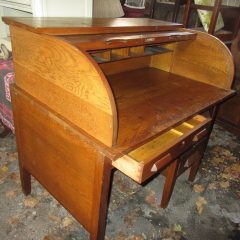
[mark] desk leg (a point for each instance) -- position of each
(100, 207)
(201, 151)
(25, 177)
(171, 177)
(197, 161)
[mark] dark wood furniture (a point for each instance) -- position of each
(229, 112)
(91, 95)
(230, 14)
(175, 6)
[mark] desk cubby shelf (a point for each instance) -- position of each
(124, 53)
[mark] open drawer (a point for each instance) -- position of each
(152, 157)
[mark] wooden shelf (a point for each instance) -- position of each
(150, 101)
(104, 57)
(117, 40)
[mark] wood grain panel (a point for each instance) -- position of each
(66, 26)
(163, 61)
(150, 101)
(46, 61)
(61, 161)
(206, 60)
(70, 107)
(125, 65)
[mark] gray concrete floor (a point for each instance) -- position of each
(207, 209)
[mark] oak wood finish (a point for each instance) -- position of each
(76, 169)
(108, 41)
(171, 178)
(155, 155)
(143, 112)
(71, 26)
(43, 64)
(206, 60)
(141, 93)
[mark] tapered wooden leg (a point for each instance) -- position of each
(200, 152)
(25, 177)
(171, 177)
(193, 171)
(197, 159)
(100, 210)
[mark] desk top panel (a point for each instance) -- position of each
(150, 101)
(70, 26)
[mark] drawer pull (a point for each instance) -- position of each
(161, 162)
(199, 135)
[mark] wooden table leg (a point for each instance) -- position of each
(201, 151)
(197, 159)
(101, 207)
(25, 177)
(171, 177)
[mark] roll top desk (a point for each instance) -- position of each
(92, 95)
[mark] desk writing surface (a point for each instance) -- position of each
(66, 26)
(150, 101)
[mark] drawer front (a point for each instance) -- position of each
(145, 161)
(158, 164)
(192, 155)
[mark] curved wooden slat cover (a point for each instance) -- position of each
(66, 80)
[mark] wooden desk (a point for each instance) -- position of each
(92, 95)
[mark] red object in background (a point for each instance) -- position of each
(133, 12)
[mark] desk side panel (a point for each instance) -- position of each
(205, 59)
(65, 163)
(66, 80)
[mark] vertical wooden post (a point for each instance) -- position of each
(187, 12)
(101, 193)
(214, 16)
(25, 177)
(176, 10)
(198, 155)
(153, 8)
(195, 167)
(171, 177)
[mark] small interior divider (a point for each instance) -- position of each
(117, 54)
